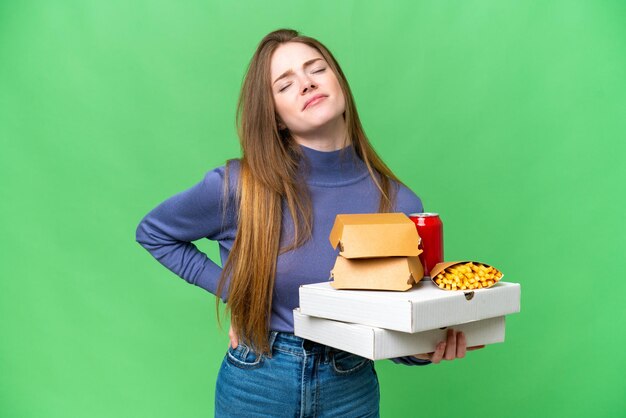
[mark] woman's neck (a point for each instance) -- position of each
(331, 168)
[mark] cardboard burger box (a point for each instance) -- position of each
(374, 235)
(376, 251)
(424, 307)
(377, 343)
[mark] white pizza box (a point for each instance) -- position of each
(422, 308)
(377, 343)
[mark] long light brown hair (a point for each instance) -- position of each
(268, 176)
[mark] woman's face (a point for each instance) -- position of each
(298, 74)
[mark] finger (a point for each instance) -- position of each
(234, 340)
(461, 345)
(450, 353)
(476, 347)
(438, 354)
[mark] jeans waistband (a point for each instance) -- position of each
(291, 343)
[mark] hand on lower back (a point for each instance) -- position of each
(234, 340)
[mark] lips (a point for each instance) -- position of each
(312, 99)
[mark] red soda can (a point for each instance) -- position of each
(430, 229)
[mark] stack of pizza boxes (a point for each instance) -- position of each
(376, 304)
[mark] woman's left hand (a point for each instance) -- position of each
(232, 336)
(453, 347)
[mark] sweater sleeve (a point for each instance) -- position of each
(410, 361)
(408, 202)
(167, 230)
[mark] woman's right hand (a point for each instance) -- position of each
(234, 340)
(453, 348)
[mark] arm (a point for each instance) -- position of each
(454, 346)
(167, 230)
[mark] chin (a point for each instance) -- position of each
(324, 118)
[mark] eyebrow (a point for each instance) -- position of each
(290, 72)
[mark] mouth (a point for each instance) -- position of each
(314, 100)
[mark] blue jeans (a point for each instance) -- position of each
(300, 379)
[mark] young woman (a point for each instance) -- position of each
(305, 160)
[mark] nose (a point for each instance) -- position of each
(308, 85)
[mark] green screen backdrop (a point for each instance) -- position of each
(506, 117)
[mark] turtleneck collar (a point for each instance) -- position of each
(332, 168)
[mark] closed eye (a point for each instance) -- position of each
(314, 72)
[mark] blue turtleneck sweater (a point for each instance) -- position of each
(338, 182)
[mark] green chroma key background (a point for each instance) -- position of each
(506, 117)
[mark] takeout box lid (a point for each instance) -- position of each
(380, 273)
(375, 235)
